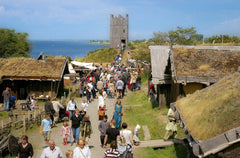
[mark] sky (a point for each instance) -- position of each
(90, 19)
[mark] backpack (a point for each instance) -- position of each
(128, 153)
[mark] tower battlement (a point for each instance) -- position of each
(118, 31)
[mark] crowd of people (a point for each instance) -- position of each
(111, 81)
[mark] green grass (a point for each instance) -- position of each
(106, 55)
(4, 115)
(144, 114)
(144, 78)
(173, 151)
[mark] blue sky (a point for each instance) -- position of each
(90, 19)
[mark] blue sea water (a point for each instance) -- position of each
(66, 48)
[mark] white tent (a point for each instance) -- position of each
(85, 65)
(71, 70)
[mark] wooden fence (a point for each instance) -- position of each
(15, 123)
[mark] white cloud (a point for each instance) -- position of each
(232, 21)
(71, 11)
(1, 8)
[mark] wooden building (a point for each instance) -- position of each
(25, 76)
(210, 118)
(182, 70)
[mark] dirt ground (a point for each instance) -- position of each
(38, 143)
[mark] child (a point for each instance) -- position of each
(122, 145)
(45, 128)
(104, 93)
(88, 94)
(69, 154)
(65, 133)
(84, 106)
(32, 103)
(86, 128)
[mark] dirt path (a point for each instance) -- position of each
(94, 143)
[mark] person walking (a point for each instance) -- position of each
(102, 127)
(25, 149)
(65, 132)
(101, 104)
(133, 80)
(86, 128)
(139, 82)
(56, 107)
(119, 86)
(45, 128)
(6, 95)
(112, 152)
(111, 134)
(82, 150)
(75, 122)
(49, 108)
(72, 105)
(171, 127)
(84, 106)
(52, 151)
(127, 134)
(117, 113)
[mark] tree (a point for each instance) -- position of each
(14, 44)
(222, 39)
(160, 38)
(182, 36)
(173, 37)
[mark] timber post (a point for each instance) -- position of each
(24, 124)
(2, 127)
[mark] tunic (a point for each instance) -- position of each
(171, 125)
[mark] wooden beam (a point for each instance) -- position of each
(79, 69)
(48, 78)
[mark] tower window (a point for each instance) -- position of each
(123, 30)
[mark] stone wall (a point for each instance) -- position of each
(118, 31)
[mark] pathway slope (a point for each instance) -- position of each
(38, 143)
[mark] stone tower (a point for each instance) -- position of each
(119, 31)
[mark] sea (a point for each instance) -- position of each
(74, 49)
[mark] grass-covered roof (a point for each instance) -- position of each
(205, 62)
(31, 68)
(214, 110)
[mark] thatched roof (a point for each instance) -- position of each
(213, 110)
(32, 69)
(205, 62)
(198, 64)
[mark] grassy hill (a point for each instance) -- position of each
(140, 50)
(213, 110)
(102, 55)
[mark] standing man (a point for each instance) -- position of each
(111, 134)
(72, 105)
(102, 127)
(134, 80)
(6, 95)
(52, 151)
(119, 86)
(56, 107)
